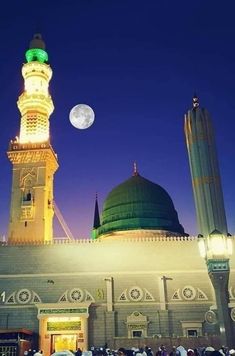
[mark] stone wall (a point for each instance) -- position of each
(51, 272)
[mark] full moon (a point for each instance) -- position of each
(81, 116)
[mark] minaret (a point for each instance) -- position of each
(205, 173)
(96, 222)
(33, 159)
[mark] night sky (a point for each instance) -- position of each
(137, 63)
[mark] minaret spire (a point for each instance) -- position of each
(135, 170)
(96, 223)
(195, 101)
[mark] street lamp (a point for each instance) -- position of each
(216, 248)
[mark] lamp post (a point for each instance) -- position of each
(216, 248)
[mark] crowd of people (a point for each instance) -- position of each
(147, 351)
(201, 351)
(31, 352)
(162, 351)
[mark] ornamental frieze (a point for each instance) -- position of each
(24, 157)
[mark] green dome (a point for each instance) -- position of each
(139, 204)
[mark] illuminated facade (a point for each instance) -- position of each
(34, 161)
(139, 281)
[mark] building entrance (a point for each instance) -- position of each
(64, 342)
(63, 327)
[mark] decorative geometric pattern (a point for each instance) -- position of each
(23, 296)
(148, 296)
(28, 177)
(27, 212)
(136, 294)
(11, 299)
(63, 298)
(189, 293)
(136, 314)
(210, 317)
(176, 295)
(201, 295)
(76, 295)
(36, 298)
(88, 297)
(233, 314)
(123, 296)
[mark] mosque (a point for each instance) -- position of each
(60, 295)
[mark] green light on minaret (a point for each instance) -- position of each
(36, 51)
(36, 54)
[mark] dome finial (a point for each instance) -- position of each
(135, 171)
(195, 101)
(36, 51)
(37, 42)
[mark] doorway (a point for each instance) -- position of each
(63, 342)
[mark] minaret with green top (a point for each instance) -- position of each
(31, 154)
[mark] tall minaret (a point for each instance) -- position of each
(205, 173)
(34, 161)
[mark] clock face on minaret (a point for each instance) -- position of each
(33, 158)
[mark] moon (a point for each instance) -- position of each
(81, 116)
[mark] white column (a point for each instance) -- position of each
(162, 292)
(44, 338)
(85, 333)
(109, 293)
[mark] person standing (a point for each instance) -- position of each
(78, 352)
(174, 352)
(162, 351)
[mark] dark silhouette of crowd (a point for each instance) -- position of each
(162, 351)
(147, 351)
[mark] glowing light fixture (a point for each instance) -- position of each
(215, 245)
(36, 54)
